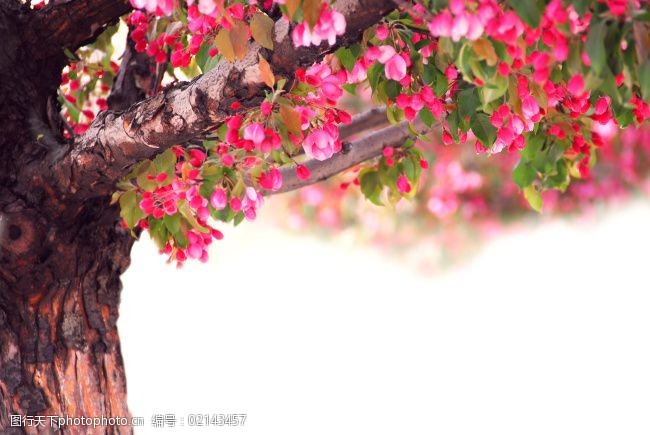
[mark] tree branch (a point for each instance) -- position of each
(116, 141)
(137, 77)
(368, 120)
(74, 23)
(359, 151)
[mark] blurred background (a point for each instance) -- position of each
(537, 326)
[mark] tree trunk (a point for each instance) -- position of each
(59, 346)
(60, 260)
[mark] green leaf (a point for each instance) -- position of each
(427, 117)
(561, 179)
(141, 173)
(595, 46)
(371, 186)
(441, 84)
(412, 168)
(375, 75)
(483, 129)
(468, 102)
(534, 198)
(172, 222)
(394, 114)
(210, 63)
(347, 58)
(429, 73)
(581, 6)
(643, 75)
(130, 209)
(166, 162)
(528, 10)
(188, 214)
(239, 218)
(452, 120)
(392, 89)
(495, 88)
(158, 232)
(523, 174)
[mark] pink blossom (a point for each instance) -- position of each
(359, 72)
(382, 32)
(255, 133)
(302, 172)
(219, 199)
(158, 7)
(322, 143)
(395, 68)
(576, 85)
(328, 84)
(271, 180)
(207, 7)
(530, 108)
(441, 24)
(403, 184)
(330, 25)
(250, 203)
(235, 204)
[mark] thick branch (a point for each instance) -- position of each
(116, 141)
(359, 151)
(75, 23)
(369, 120)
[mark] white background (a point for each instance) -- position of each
(546, 331)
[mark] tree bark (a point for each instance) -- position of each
(62, 248)
(59, 346)
(60, 259)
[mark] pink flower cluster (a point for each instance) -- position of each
(158, 7)
(330, 25)
(412, 104)
(328, 84)
(395, 64)
(456, 22)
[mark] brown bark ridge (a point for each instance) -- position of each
(62, 248)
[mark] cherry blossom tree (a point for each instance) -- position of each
(215, 105)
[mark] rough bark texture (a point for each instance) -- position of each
(60, 259)
(62, 250)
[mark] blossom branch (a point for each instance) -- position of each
(359, 151)
(184, 111)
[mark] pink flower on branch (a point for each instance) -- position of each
(322, 143)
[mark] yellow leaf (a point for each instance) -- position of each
(262, 30)
(224, 44)
(311, 11)
(291, 119)
(485, 51)
(539, 94)
(266, 72)
(292, 7)
(239, 39)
